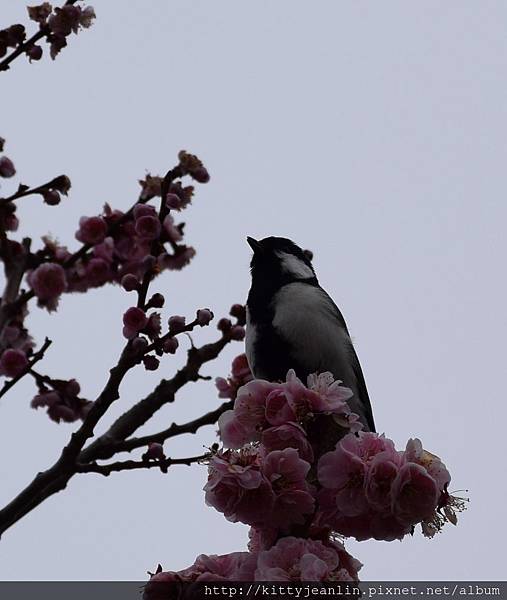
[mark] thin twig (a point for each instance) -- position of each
(26, 191)
(174, 430)
(169, 177)
(39, 355)
(56, 478)
(130, 465)
(164, 393)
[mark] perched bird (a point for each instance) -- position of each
(292, 323)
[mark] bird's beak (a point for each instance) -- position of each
(254, 244)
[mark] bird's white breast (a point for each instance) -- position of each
(306, 318)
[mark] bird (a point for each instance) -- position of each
(292, 323)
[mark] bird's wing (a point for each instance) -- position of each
(362, 391)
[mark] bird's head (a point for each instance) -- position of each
(278, 260)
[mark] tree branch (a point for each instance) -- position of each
(130, 465)
(164, 393)
(39, 355)
(174, 430)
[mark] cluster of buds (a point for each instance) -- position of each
(144, 329)
(128, 248)
(55, 23)
(61, 399)
(123, 247)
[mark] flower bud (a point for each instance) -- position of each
(237, 333)
(157, 301)
(34, 52)
(134, 318)
(224, 325)
(7, 168)
(238, 311)
(176, 324)
(13, 362)
(170, 345)
(151, 363)
(155, 451)
(61, 184)
(129, 282)
(51, 197)
(204, 316)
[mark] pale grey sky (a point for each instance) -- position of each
(373, 133)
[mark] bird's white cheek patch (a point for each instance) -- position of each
(294, 266)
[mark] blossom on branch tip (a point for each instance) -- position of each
(40, 13)
(61, 184)
(193, 166)
(204, 316)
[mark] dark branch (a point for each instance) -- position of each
(130, 465)
(174, 430)
(39, 355)
(164, 393)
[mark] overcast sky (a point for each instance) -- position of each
(373, 133)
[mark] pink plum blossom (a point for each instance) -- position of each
(298, 559)
(148, 227)
(48, 281)
(134, 319)
(287, 474)
(92, 230)
(414, 494)
(288, 435)
(237, 488)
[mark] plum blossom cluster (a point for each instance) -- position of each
(129, 248)
(274, 476)
(55, 25)
(290, 559)
(119, 248)
(370, 490)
